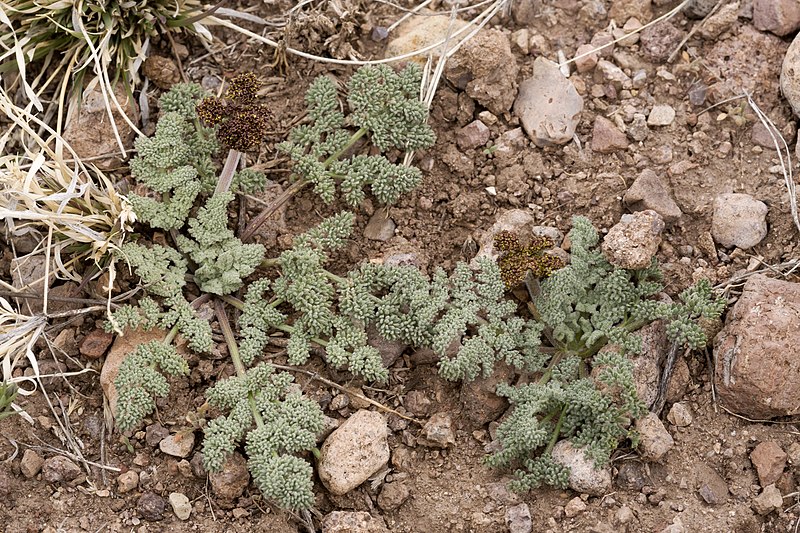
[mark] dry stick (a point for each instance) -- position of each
(226, 177)
(314, 375)
(276, 204)
(694, 29)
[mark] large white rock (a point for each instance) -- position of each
(548, 105)
(354, 452)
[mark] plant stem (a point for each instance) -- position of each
(296, 187)
(226, 177)
(233, 350)
(556, 432)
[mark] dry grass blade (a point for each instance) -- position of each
(18, 333)
(75, 212)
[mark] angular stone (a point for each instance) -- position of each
(780, 17)
(548, 105)
(178, 445)
(230, 482)
(633, 242)
(712, 488)
(439, 431)
(393, 495)
(380, 227)
(654, 439)
(660, 40)
(486, 69)
(480, 402)
(606, 137)
(123, 346)
(30, 464)
(518, 519)
(574, 507)
(419, 32)
(738, 220)
(585, 63)
(151, 506)
(473, 135)
(769, 460)
(162, 71)
(59, 469)
(757, 373)
(127, 481)
(679, 415)
(95, 344)
(354, 452)
(180, 505)
(760, 135)
(584, 477)
(649, 191)
(661, 115)
(769, 500)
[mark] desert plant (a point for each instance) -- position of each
(580, 393)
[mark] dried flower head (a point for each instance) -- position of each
(242, 122)
(517, 259)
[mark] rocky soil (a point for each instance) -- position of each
(650, 138)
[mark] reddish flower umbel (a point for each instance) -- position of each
(242, 122)
(518, 259)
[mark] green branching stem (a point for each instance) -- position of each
(233, 350)
(296, 187)
(556, 431)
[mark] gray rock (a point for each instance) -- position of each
(769, 500)
(514, 220)
(738, 220)
(178, 445)
(419, 32)
(780, 17)
(698, 9)
(606, 137)
(661, 115)
(91, 134)
(761, 136)
(548, 105)
(230, 482)
(608, 72)
(390, 350)
(660, 40)
(769, 459)
(638, 130)
(574, 507)
(679, 415)
(127, 481)
(355, 451)
(380, 227)
(473, 135)
(585, 63)
(518, 519)
(30, 464)
(151, 507)
(486, 69)
(649, 191)
(180, 505)
(154, 434)
(59, 469)
(353, 522)
(393, 495)
(632, 475)
(712, 487)
(790, 76)
(719, 22)
(439, 431)
(654, 439)
(633, 242)
(583, 476)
